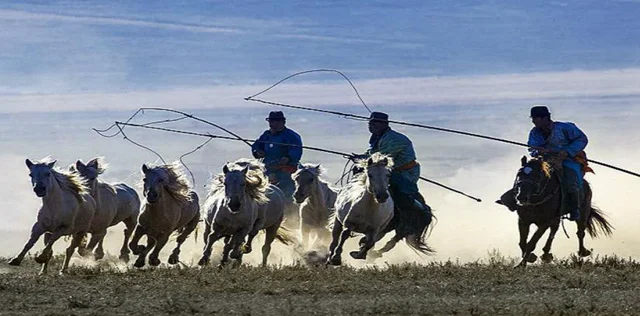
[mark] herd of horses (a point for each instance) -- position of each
(241, 202)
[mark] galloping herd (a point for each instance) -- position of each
(240, 203)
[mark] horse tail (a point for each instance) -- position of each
(419, 242)
(597, 223)
(285, 236)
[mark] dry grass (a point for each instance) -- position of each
(600, 286)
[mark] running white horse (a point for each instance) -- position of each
(240, 203)
(363, 206)
(116, 203)
(171, 206)
(317, 201)
(67, 209)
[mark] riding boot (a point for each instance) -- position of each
(573, 204)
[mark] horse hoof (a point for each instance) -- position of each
(124, 257)
(584, 253)
(521, 265)
(173, 259)
(154, 262)
(41, 259)
(547, 258)
(136, 250)
(246, 248)
(98, 256)
(358, 255)
(139, 263)
(334, 262)
(531, 258)
(235, 254)
(203, 262)
(15, 262)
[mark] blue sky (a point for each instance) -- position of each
(88, 47)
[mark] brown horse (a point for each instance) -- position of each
(537, 197)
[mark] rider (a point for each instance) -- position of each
(415, 214)
(280, 160)
(563, 141)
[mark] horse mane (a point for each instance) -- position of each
(68, 180)
(256, 182)
(176, 182)
(102, 167)
(545, 166)
(355, 188)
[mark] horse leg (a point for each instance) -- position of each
(238, 241)
(206, 254)
(137, 249)
(205, 236)
(99, 254)
(369, 242)
(154, 259)
(45, 264)
(93, 242)
(271, 234)
(75, 242)
(190, 227)
(142, 256)
(387, 247)
(225, 251)
(305, 231)
(582, 225)
(47, 252)
(340, 236)
(547, 256)
(130, 225)
(529, 256)
(36, 231)
(523, 228)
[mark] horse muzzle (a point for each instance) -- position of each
(382, 198)
(40, 192)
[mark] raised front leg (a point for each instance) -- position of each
(237, 241)
(133, 245)
(47, 252)
(36, 231)
(369, 242)
(529, 256)
(154, 259)
(142, 257)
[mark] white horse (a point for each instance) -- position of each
(363, 206)
(67, 209)
(240, 203)
(115, 203)
(317, 201)
(171, 206)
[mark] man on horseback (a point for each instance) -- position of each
(281, 150)
(563, 142)
(415, 215)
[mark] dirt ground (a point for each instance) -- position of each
(599, 286)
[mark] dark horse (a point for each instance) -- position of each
(537, 196)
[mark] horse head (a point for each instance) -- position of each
(41, 177)
(234, 187)
(378, 174)
(531, 181)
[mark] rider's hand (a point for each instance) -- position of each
(562, 155)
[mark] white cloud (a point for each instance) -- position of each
(469, 90)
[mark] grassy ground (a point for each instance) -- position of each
(601, 286)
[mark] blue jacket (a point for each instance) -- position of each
(564, 136)
(275, 152)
